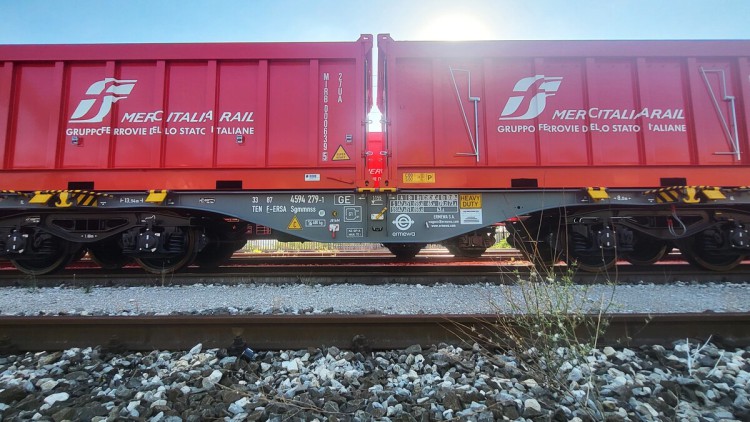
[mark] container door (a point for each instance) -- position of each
(375, 156)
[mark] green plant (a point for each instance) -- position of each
(502, 244)
(551, 325)
(31, 283)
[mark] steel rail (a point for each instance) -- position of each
(358, 332)
(371, 274)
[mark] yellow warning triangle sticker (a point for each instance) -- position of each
(340, 154)
(294, 224)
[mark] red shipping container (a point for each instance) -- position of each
(184, 116)
(557, 114)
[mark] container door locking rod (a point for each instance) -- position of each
(473, 138)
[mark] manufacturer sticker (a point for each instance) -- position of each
(471, 216)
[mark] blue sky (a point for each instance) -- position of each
(88, 21)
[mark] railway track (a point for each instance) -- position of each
(276, 332)
(282, 264)
(366, 270)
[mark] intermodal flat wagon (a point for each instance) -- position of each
(589, 151)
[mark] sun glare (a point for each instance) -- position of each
(455, 27)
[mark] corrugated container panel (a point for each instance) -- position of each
(241, 86)
(6, 75)
(34, 125)
(138, 116)
(499, 114)
(661, 85)
(184, 116)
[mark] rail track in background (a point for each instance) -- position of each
(429, 267)
(274, 332)
(357, 332)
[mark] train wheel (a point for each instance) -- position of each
(647, 251)
(223, 240)
(705, 260)
(405, 250)
(175, 261)
(593, 263)
(108, 255)
(472, 244)
(58, 253)
(216, 254)
(543, 256)
(538, 241)
(459, 252)
(540, 253)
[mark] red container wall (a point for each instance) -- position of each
(259, 116)
(6, 74)
(564, 113)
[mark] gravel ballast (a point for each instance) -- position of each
(328, 384)
(353, 298)
(681, 381)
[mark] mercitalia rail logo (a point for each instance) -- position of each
(107, 91)
(547, 88)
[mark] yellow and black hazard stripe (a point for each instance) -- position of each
(686, 194)
(376, 190)
(68, 198)
(665, 195)
(13, 192)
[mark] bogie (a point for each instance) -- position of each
(593, 240)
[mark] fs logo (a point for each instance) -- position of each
(547, 88)
(108, 91)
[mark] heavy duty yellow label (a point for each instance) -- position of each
(419, 178)
(340, 154)
(471, 200)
